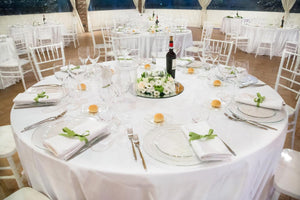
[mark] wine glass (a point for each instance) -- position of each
(83, 54)
(242, 67)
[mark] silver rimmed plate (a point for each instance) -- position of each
(257, 114)
(52, 129)
(168, 145)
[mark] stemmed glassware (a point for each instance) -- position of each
(83, 54)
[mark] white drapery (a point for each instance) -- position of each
(204, 4)
(287, 6)
(87, 15)
(136, 3)
(76, 15)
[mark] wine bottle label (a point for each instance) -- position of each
(174, 64)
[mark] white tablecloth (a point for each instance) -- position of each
(32, 32)
(226, 24)
(113, 174)
(255, 34)
(183, 39)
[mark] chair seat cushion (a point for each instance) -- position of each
(14, 63)
(7, 142)
(27, 193)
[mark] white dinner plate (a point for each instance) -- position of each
(52, 129)
(168, 145)
(263, 116)
(255, 111)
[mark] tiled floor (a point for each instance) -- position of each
(261, 67)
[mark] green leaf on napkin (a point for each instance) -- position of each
(77, 67)
(71, 134)
(195, 136)
(259, 99)
(40, 95)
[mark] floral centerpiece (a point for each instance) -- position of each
(154, 28)
(155, 84)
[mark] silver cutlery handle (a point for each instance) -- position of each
(37, 124)
(144, 163)
(255, 124)
(133, 150)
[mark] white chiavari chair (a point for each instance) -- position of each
(126, 47)
(238, 39)
(206, 34)
(44, 35)
(11, 65)
(286, 80)
(266, 41)
(220, 49)
(70, 34)
(44, 57)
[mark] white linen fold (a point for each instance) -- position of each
(206, 150)
(271, 101)
(64, 147)
(27, 98)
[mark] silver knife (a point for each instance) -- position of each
(228, 147)
(32, 105)
(88, 145)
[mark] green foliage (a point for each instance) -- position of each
(71, 134)
(195, 136)
(39, 96)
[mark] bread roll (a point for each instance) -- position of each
(158, 118)
(216, 103)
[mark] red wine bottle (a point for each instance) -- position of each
(282, 22)
(171, 59)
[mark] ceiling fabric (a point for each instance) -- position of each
(139, 7)
(76, 15)
(287, 6)
(204, 4)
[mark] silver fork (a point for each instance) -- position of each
(251, 121)
(235, 119)
(130, 136)
(43, 121)
(137, 144)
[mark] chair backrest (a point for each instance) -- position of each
(126, 46)
(287, 75)
(291, 46)
(46, 55)
(221, 47)
(207, 31)
(106, 36)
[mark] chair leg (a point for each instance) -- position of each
(275, 195)
(15, 172)
(257, 50)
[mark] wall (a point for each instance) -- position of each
(98, 18)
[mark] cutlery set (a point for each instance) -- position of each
(134, 139)
(235, 117)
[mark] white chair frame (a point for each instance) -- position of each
(46, 55)
(288, 69)
(266, 42)
(133, 43)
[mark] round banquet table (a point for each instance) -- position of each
(114, 174)
(182, 39)
(256, 33)
(226, 24)
(32, 32)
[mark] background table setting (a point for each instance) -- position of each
(209, 137)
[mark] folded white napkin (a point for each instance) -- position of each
(184, 61)
(64, 147)
(73, 68)
(49, 80)
(26, 98)
(206, 150)
(271, 101)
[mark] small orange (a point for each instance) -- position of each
(93, 108)
(217, 83)
(191, 70)
(82, 86)
(133, 30)
(147, 66)
(216, 103)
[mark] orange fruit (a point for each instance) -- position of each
(216, 103)
(147, 66)
(93, 108)
(158, 118)
(82, 86)
(217, 83)
(190, 70)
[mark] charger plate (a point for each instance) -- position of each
(263, 115)
(168, 145)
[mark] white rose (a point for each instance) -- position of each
(158, 82)
(143, 90)
(141, 85)
(166, 91)
(156, 93)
